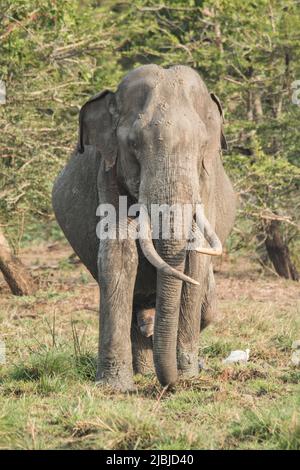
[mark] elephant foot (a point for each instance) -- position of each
(121, 382)
(188, 364)
(116, 385)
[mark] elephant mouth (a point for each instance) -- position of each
(201, 229)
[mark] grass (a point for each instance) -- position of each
(48, 399)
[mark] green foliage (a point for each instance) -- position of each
(54, 55)
(51, 60)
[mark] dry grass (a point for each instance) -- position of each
(47, 395)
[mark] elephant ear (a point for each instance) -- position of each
(218, 103)
(96, 127)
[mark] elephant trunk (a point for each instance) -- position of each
(167, 312)
(169, 259)
(168, 256)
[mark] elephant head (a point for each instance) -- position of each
(158, 134)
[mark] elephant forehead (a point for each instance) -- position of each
(154, 74)
(140, 81)
(160, 85)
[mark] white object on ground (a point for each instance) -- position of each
(237, 356)
(202, 363)
(295, 359)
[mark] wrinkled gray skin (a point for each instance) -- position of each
(156, 140)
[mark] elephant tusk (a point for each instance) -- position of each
(153, 257)
(210, 236)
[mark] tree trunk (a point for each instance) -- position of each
(15, 273)
(279, 253)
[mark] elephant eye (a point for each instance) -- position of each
(132, 141)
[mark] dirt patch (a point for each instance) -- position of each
(55, 265)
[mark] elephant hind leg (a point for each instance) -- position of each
(209, 305)
(141, 338)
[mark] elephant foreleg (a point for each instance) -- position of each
(188, 333)
(117, 266)
(208, 307)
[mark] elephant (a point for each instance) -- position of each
(157, 139)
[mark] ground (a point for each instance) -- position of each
(48, 398)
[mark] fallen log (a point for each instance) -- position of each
(15, 273)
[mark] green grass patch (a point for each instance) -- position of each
(48, 399)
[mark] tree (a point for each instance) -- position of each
(15, 273)
(260, 69)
